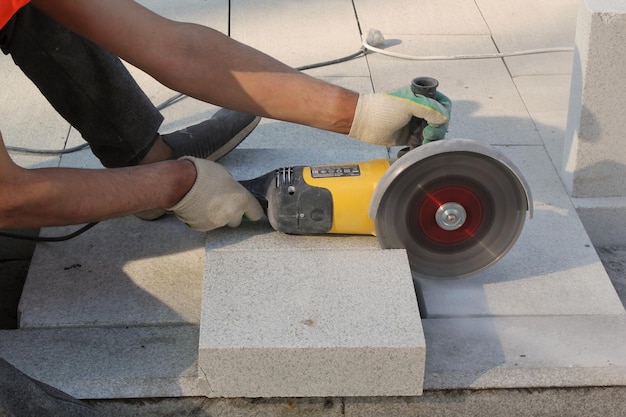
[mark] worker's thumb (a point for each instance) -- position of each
(252, 210)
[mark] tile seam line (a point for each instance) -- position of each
(490, 34)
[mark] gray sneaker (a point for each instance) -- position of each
(213, 138)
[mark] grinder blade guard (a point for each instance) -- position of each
(457, 206)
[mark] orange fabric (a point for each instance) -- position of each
(8, 9)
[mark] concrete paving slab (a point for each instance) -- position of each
(27, 160)
(547, 97)
(511, 352)
(552, 270)
(83, 158)
(294, 34)
(292, 322)
(447, 17)
(109, 362)
(556, 63)
(486, 104)
(519, 26)
(121, 272)
(33, 122)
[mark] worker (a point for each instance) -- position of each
(71, 50)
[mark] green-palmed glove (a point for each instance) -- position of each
(383, 118)
(216, 199)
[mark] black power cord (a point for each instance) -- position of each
(48, 239)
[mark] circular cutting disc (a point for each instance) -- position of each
(457, 209)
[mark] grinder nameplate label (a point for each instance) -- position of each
(332, 171)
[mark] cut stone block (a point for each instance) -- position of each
(516, 352)
(595, 158)
(594, 162)
(297, 322)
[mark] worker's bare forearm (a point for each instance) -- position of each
(217, 69)
(206, 64)
(74, 196)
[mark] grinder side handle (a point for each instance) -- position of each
(425, 86)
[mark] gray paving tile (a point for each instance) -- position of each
(313, 322)
(28, 160)
(121, 272)
(300, 33)
(534, 24)
(110, 362)
(83, 158)
(433, 18)
(554, 63)
(515, 352)
(547, 99)
(31, 121)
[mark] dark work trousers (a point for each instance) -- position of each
(87, 85)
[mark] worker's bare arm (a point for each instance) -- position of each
(206, 64)
(73, 196)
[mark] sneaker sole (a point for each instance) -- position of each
(235, 141)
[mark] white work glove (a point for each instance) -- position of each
(216, 199)
(383, 118)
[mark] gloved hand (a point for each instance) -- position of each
(383, 118)
(216, 199)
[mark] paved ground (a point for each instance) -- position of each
(508, 108)
(13, 273)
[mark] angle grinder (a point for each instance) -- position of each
(456, 205)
